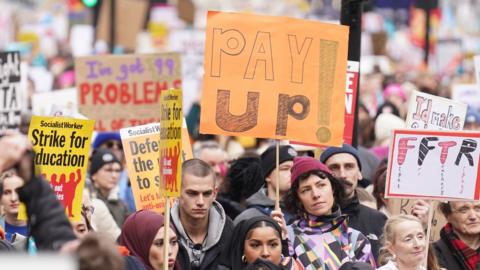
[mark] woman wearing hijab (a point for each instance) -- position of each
(256, 238)
(321, 238)
(142, 234)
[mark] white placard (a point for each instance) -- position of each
(434, 165)
(435, 113)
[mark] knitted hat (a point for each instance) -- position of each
(394, 89)
(105, 136)
(245, 177)
(305, 164)
(346, 148)
(268, 158)
(100, 158)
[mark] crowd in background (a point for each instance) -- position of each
(332, 214)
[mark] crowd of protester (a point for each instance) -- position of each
(332, 214)
(322, 222)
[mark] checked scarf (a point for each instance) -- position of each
(469, 257)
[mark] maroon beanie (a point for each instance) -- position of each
(306, 164)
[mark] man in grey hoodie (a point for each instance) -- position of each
(263, 201)
(202, 226)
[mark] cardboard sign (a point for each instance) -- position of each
(141, 145)
(353, 68)
(10, 99)
(62, 147)
(44, 104)
(434, 164)
(274, 77)
(130, 18)
(404, 206)
(123, 91)
(468, 94)
(171, 125)
(435, 113)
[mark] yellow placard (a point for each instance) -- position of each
(62, 147)
(274, 77)
(171, 125)
(141, 145)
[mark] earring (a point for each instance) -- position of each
(394, 256)
(244, 259)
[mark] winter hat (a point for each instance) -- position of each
(245, 177)
(100, 158)
(105, 136)
(305, 164)
(346, 148)
(396, 90)
(385, 124)
(268, 158)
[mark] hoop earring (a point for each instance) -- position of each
(244, 259)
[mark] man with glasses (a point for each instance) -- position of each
(459, 244)
(203, 228)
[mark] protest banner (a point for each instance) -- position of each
(46, 103)
(62, 147)
(129, 17)
(434, 165)
(353, 68)
(435, 113)
(10, 99)
(141, 145)
(405, 206)
(274, 77)
(124, 90)
(468, 94)
(171, 124)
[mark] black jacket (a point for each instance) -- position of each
(48, 223)
(446, 257)
(215, 256)
(368, 221)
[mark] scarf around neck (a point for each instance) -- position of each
(469, 257)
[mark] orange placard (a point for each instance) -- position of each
(274, 77)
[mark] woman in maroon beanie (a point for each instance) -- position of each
(320, 238)
(142, 235)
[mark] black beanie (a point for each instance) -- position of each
(346, 148)
(100, 158)
(269, 157)
(245, 177)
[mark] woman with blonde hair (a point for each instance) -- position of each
(405, 245)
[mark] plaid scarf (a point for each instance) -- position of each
(468, 256)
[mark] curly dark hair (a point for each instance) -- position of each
(292, 201)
